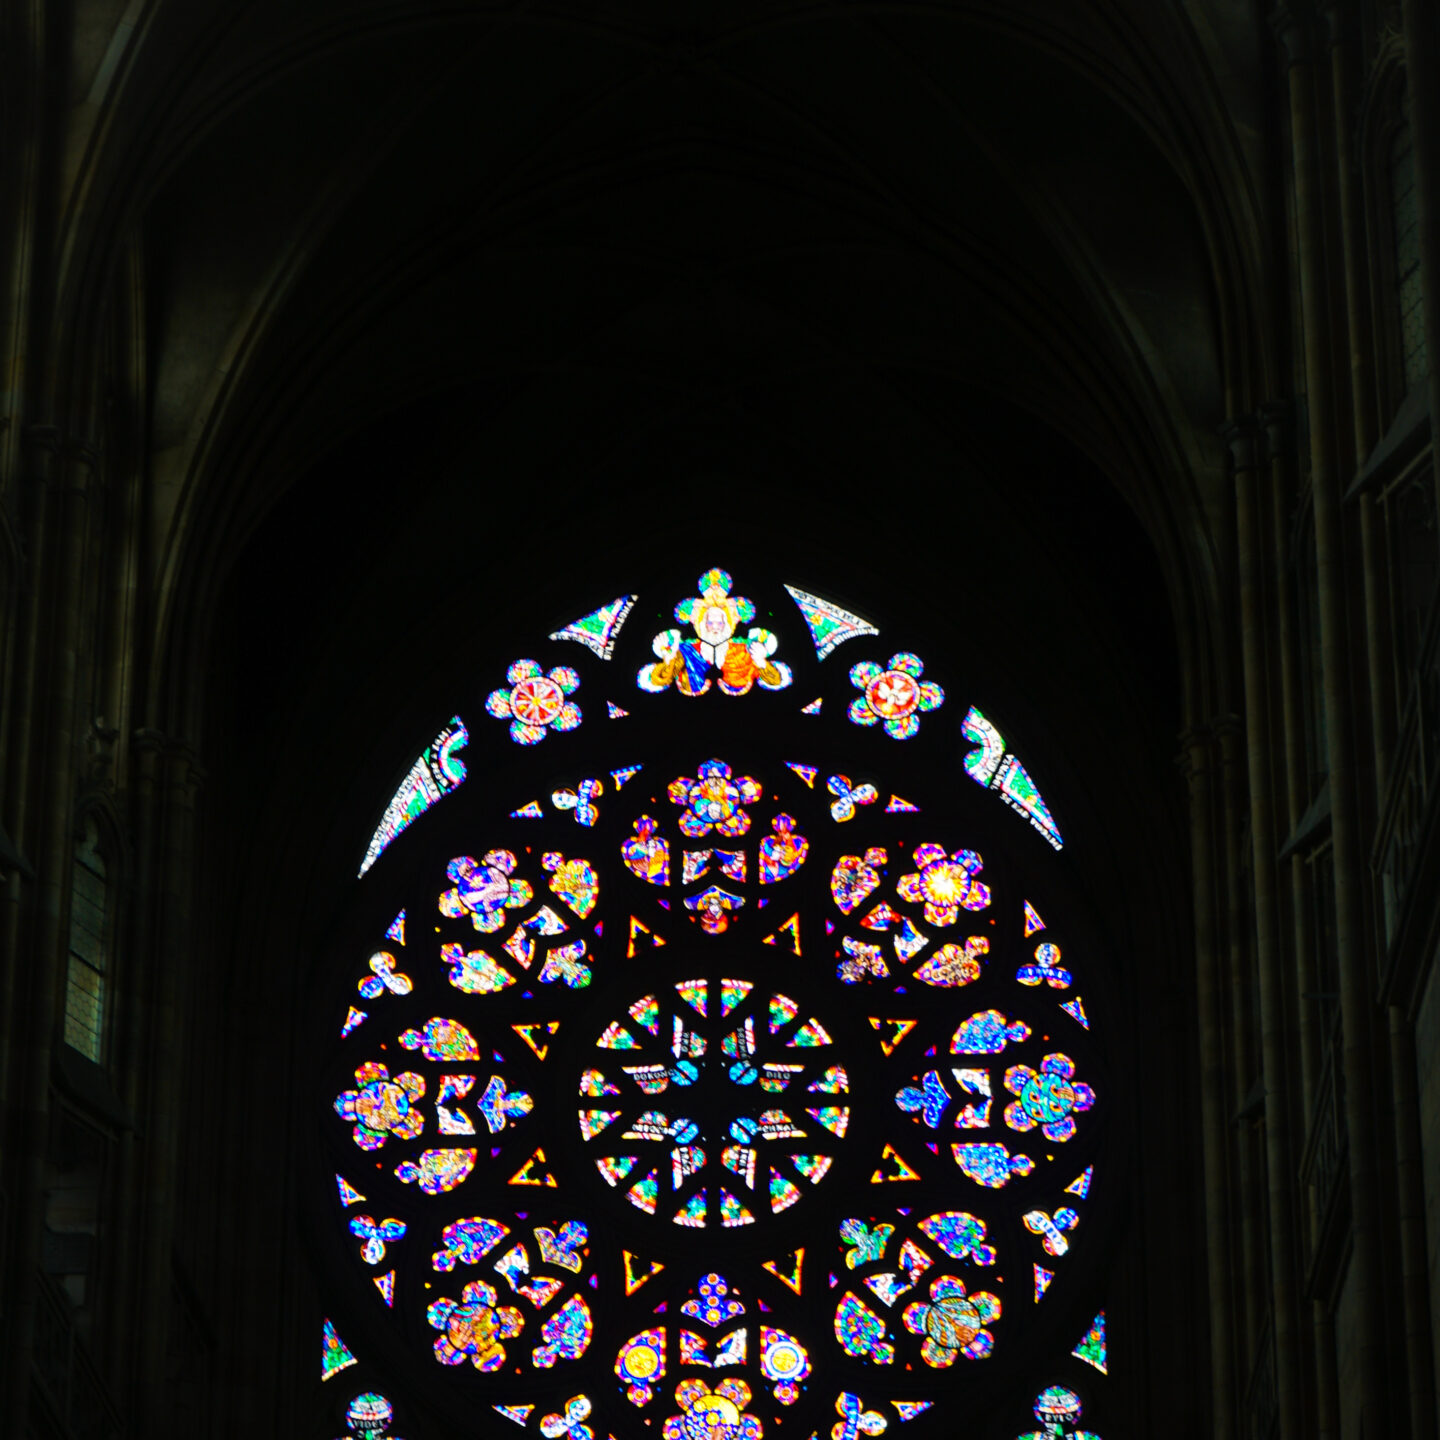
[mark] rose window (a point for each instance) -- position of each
(721, 1068)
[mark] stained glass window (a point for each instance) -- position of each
(730, 1064)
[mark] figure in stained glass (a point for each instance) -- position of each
(715, 616)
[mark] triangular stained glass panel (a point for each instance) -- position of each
(1091, 1348)
(617, 1037)
(909, 1409)
(893, 1167)
(638, 1271)
(592, 1122)
(614, 1168)
(898, 1030)
(809, 1036)
(732, 992)
(788, 935)
(692, 1212)
(783, 1192)
(828, 624)
(637, 930)
(530, 1034)
(732, 1213)
(335, 1354)
(787, 1271)
(694, 993)
(782, 1011)
(646, 1012)
(597, 630)
(533, 1172)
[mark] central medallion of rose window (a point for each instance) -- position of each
(714, 1102)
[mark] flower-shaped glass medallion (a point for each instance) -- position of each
(953, 1323)
(894, 696)
(536, 702)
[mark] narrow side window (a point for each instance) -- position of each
(85, 983)
(1408, 296)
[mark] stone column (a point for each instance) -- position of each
(137, 1009)
(1356, 989)
(1198, 761)
(1421, 20)
(1276, 419)
(1245, 440)
(1343, 45)
(1414, 1251)
(180, 781)
(1244, 1070)
(1422, 76)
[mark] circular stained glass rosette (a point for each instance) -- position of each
(726, 1093)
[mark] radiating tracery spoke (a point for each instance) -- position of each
(690, 1110)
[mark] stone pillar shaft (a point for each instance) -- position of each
(1276, 420)
(1356, 987)
(1422, 66)
(1199, 748)
(1414, 1251)
(173, 928)
(1245, 442)
(1244, 1071)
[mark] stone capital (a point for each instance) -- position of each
(1295, 25)
(1197, 748)
(1276, 416)
(1230, 731)
(58, 460)
(1335, 17)
(1244, 436)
